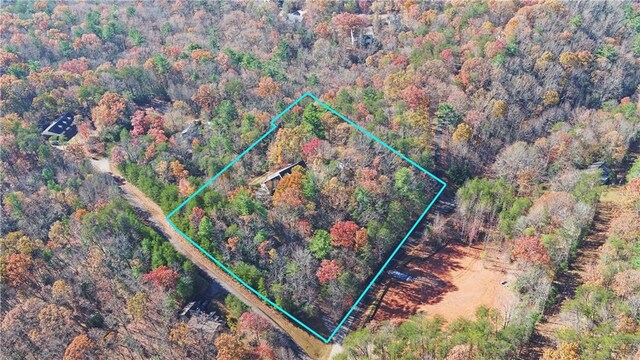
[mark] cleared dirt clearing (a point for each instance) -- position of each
(451, 283)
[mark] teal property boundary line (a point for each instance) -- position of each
(274, 126)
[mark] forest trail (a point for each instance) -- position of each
(312, 346)
(587, 255)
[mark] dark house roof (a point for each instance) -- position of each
(607, 174)
(62, 126)
(600, 165)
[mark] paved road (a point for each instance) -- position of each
(298, 337)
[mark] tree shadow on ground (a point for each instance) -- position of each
(430, 284)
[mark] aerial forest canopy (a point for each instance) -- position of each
(529, 110)
(310, 213)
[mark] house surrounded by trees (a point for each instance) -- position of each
(269, 181)
(63, 126)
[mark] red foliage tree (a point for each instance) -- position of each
(531, 250)
(158, 135)
(343, 233)
(264, 351)
(446, 54)
(118, 156)
(253, 324)
(85, 128)
(232, 242)
(401, 61)
(361, 238)
(178, 170)
(349, 22)
(415, 97)
(184, 187)
(328, 270)
(305, 228)
(18, 269)
(196, 215)
(364, 5)
(206, 97)
(162, 276)
(89, 41)
(230, 347)
(263, 247)
(140, 123)
(110, 108)
(267, 87)
(289, 190)
(77, 66)
(312, 148)
(81, 347)
(148, 123)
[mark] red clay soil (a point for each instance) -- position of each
(451, 283)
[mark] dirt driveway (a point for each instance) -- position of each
(311, 345)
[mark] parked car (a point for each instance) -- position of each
(401, 276)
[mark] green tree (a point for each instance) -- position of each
(311, 120)
(160, 64)
(423, 334)
(592, 302)
(243, 204)
(588, 187)
(137, 38)
(608, 52)
(205, 229)
(227, 112)
(509, 216)
(447, 116)
(320, 245)
(283, 51)
(92, 22)
(169, 253)
(248, 273)
(398, 216)
(357, 345)
(235, 306)
(634, 172)
(309, 187)
(157, 259)
(408, 187)
(485, 195)
(480, 201)
(635, 46)
(185, 287)
(111, 30)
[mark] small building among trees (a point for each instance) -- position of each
(296, 16)
(194, 307)
(607, 175)
(269, 181)
(62, 127)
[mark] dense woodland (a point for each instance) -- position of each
(313, 240)
(508, 101)
(83, 277)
